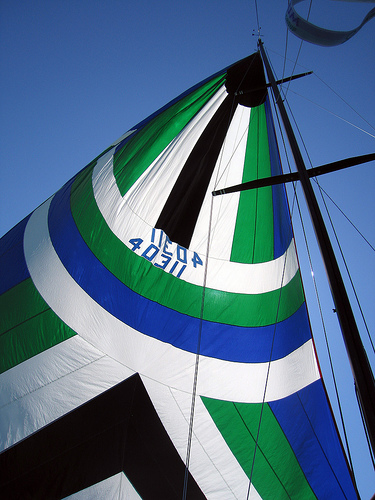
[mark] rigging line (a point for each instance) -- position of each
(334, 114)
(197, 358)
(332, 370)
(322, 449)
(305, 68)
(298, 54)
(339, 96)
(213, 463)
(257, 16)
(266, 383)
(295, 197)
(346, 265)
(238, 143)
(364, 426)
(324, 331)
(246, 131)
(342, 255)
(285, 52)
(346, 217)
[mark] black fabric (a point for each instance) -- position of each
(181, 210)
(246, 80)
(116, 431)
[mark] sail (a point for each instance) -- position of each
(318, 35)
(155, 339)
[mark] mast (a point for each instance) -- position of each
(363, 376)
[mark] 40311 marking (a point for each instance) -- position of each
(161, 248)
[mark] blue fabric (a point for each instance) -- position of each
(281, 220)
(322, 462)
(12, 259)
(221, 341)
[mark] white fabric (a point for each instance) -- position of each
(117, 487)
(228, 172)
(126, 224)
(212, 464)
(149, 193)
(146, 355)
(52, 383)
(124, 136)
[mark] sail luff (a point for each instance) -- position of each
(362, 372)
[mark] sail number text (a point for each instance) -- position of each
(165, 254)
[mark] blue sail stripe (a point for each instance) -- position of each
(227, 342)
(12, 259)
(310, 409)
(281, 219)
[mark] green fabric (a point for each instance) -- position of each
(139, 152)
(157, 285)
(276, 472)
(28, 325)
(255, 212)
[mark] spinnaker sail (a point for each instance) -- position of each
(155, 339)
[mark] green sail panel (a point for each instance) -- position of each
(240, 309)
(255, 214)
(29, 329)
(275, 471)
(141, 151)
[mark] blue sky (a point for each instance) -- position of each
(78, 74)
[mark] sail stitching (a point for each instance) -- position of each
(25, 320)
(256, 191)
(56, 379)
(321, 447)
(266, 382)
(267, 376)
(226, 166)
(260, 450)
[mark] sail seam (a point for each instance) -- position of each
(83, 366)
(260, 449)
(265, 387)
(202, 445)
(266, 382)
